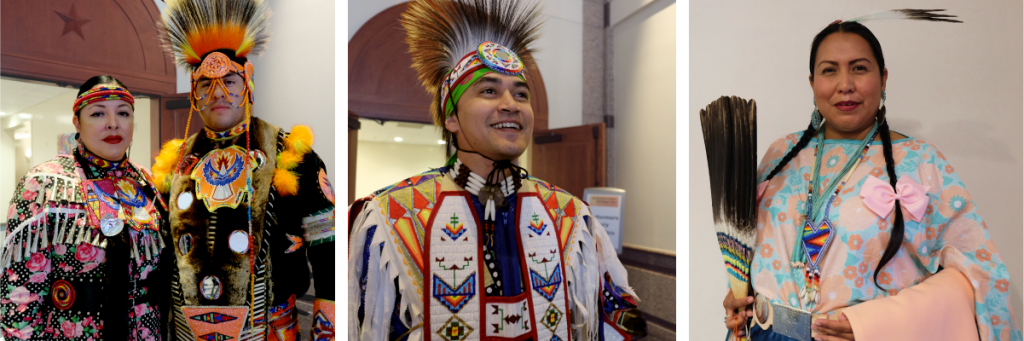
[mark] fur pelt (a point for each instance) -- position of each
(231, 268)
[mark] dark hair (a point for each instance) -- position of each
(896, 235)
(97, 80)
(848, 27)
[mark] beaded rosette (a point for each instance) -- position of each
(488, 55)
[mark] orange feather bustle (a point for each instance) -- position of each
(165, 161)
(286, 182)
(300, 139)
(297, 144)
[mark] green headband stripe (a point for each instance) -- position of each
(464, 85)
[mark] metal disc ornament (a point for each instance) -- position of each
(110, 225)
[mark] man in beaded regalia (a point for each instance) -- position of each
(250, 203)
(477, 249)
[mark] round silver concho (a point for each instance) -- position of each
(239, 241)
(185, 244)
(185, 200)
(110, 225)
(210, 287)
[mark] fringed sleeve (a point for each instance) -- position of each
(606, 299)
(381, 304)
(43, 206)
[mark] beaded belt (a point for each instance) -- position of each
(791, 322)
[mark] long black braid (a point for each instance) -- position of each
(896, 235)
(800, 145)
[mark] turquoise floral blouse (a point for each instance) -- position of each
(951, 234)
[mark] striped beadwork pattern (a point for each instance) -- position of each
(737, 256)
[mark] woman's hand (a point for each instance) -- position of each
(832, 330)
(737, 311)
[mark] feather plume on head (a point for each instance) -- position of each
(194, 28)
(912, 14)
(442, 32)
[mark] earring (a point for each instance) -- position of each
(881, 105)
(816, 117)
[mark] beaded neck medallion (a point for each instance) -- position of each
(817, 237)
(238, 129)
(101, 162)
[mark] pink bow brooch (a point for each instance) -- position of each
(879, 196)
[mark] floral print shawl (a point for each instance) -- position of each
(38, 298)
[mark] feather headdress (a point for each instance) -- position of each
(730, 139)
(440, 33)
(194, 28)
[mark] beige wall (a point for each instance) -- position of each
(7, 176)
(645, 135)
(380, 164)
(956, 85)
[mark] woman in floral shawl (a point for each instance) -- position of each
(869, 232)
(84, 235)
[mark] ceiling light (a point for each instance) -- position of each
(24, 116)
(2, 114)
(440, 141)
(398, 139)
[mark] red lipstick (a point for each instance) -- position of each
(847, 105)
(112, 139)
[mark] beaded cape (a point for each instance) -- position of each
(418, 257)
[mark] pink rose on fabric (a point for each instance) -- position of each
(70, 329)
(141, 309)
(13, 277)
(29, 195)
(51, 167)
(12, 211)
(22, 297)
(88, 267)
(24, 333)
(38, 277)
(145, 271)
(60, 249)
(37, 262)
(86, 253)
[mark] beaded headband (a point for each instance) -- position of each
(489, 56)
(103, 93)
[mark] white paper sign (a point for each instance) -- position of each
(606, 204)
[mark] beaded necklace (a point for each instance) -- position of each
(238, 129)
(816, 238)
(491, 195)
(101, 162)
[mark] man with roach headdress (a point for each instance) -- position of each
(477, 249)
(250, 203)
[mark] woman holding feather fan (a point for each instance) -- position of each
(864, 233)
